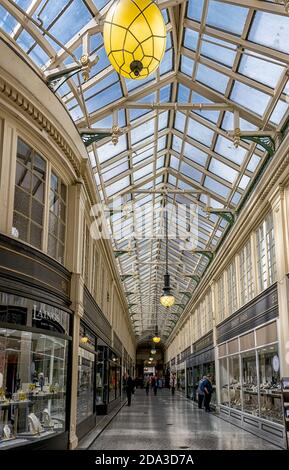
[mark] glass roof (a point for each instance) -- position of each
(217, 52)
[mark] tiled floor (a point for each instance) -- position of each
(165, 422)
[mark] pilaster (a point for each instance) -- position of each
(279, 204)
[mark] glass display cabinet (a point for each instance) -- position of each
(271, 407)
(224, 382)
(235, 393)
(32, 386)
(250, 383)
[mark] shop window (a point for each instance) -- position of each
(270, 387)
(266, 259)
(232, 288)
(250, 383)
(85, 389)
(57, 218)
(29, 197)
(224, 382)
(235, 382)
(222, 350)
(33, 370)
(221, 299)
(233, 346)
(246, 274)
(101, 376)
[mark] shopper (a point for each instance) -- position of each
(200, 392)
(129, 388)
(173, 383)
(154, 383)
(208, 390)
(147, 385)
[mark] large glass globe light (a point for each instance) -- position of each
(156, 339)
(167, 299)
(134, 36)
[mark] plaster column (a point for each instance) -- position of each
(213, 286)
(279, 203)
(8, 150)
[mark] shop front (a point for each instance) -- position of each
(35, 350)
(249, 368)
(201, 362)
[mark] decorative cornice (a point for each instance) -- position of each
(27, 107)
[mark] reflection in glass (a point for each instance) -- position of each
(85, 384)
(224, 399)
(235, 382)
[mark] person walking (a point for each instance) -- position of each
(200, 392)
(154, 383)
(147, 385)
(173, 383)
(208, 390)
(129, 388)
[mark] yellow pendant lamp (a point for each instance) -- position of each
(134, 36)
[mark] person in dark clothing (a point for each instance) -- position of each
(173, 384)
(129, 388)
(208, 390)
(201, 393)
(154, 383)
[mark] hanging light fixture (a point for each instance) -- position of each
(153, 351)
(167, 299)
(134, 35)
(156, 338)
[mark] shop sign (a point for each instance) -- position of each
(50, 318)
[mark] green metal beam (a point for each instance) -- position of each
(88, 139)
(267, 142)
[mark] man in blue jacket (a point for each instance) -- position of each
(207, 388)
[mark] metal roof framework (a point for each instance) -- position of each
(222, 57)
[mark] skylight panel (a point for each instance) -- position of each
(236, 198)
(49, 12)
(191, 38)
(250, 98)
(107, 151)
(222, 170)
(142, 132)
(195, 9)
(165, 93)
(180, 120)
(226, 148)
(245, 180)
(100, 3)
(253, 163)
(115, 170)
(25, 41)
(104, 98)
(167, 62)
(195, 154)
(7, 21)
(227, 17)
(177, 144)
(134, 84)
(117, 186)
(228, 123)
(216, 187)
(210, 115)
(223, 52)
(190, 172)
(270, 30)
(163, 120)
(143, 172)
(101, 85)
(279, 112)
(187, 65)
(160, 163)
(200, 133)
(215, 80)
(38, 56)
(261, 70)
(174, 162)
(75, 17)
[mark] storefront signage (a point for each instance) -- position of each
(48, 317)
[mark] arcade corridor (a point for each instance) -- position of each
(165, 422)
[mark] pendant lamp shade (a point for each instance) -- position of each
(134, 36)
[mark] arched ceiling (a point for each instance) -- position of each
(224, 55)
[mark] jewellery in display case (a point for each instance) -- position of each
(47, 421)
(7, 433)
(34, 424)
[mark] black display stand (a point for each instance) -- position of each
(285, 393)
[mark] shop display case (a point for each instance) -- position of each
(250, 383)
(32, 386)
(270, 384)
(224, 382)
(235, 392)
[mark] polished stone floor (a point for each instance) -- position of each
(169, 422)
